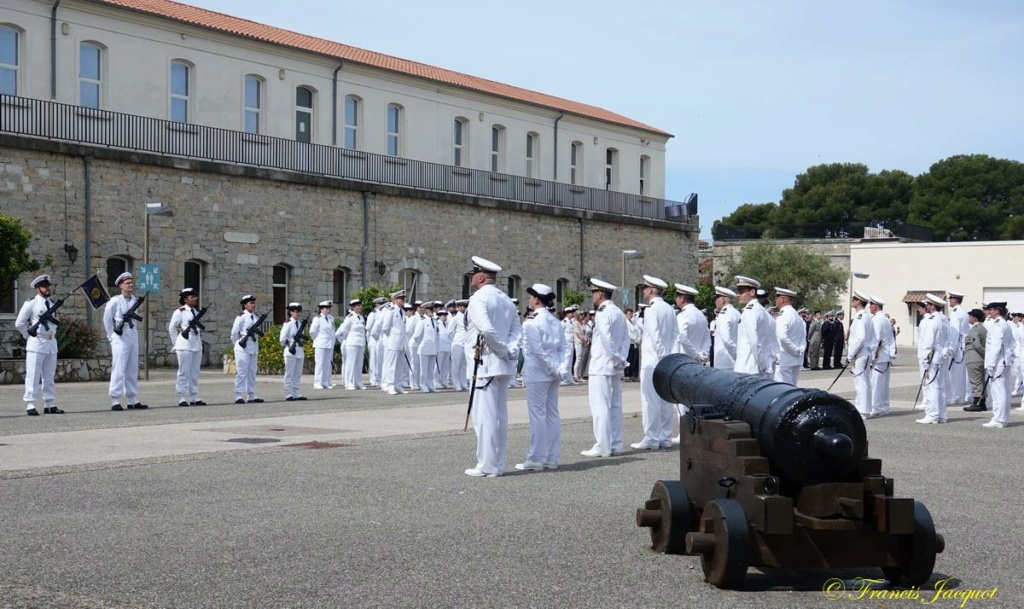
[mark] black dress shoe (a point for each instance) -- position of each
(974, 409)
(183, 404)
(301, 398)
(199, 403)
(256, 401)
(239, 401)
(117, 407)
(52, 410)
(289, 399)
(32, 412)
(137, 406)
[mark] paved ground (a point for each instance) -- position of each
(163, 508)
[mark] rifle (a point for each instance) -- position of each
(253, 331)
(299, 336)
(129, 315)
(477, 358)
(46, 318)
(195, 323)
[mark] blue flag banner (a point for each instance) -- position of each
(95, 292)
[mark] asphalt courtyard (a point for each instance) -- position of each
(358, 499)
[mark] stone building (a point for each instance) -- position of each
(292, 204)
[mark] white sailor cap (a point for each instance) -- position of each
(747, 282)
(354, 302)
(461, 303)
(932, 298)
(247, 298)
(449, 304)
(954, 294)
(596, 285)
(443, 312)
(802, 310)
(122, 277)
(482, 265)
(570, 309)
(654, 282)
(438, 303)
(685, 289)
(294, 306)
(724, 292)
(861, 296)
(398, 294)
(407, 307)
(379, 300)
(541, 291)
(784, 292)
(41, 280)
(417, 303)
(426, 305)
(876, 300)
(327, 304)
(761, 293)
(183, 293)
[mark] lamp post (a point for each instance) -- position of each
(849, 303)
(152, 209)
(632, 255)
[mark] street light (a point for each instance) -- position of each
(152, 209)
(632, 255)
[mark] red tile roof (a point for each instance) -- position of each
(257, 31)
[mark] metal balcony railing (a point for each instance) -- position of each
(64, 122)
(833, 230)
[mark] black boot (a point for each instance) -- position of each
(977, 406)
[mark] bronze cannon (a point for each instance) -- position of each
(772, 475)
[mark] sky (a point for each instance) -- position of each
(754, 92)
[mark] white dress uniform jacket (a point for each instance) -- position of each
(544, 347)
(425, 336)
(694, 337)
(660, 333)
(610, 344)
(791, 332)
(179, 322)
(321, 330)
(755, 338)
(726, 329)
(392, 327)
(352, 331)
(931, 336)
(492, 315)
(243, 322)
(113, 314)
(45, 340)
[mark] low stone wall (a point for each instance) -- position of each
(12, 371)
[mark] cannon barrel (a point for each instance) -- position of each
(809, 436)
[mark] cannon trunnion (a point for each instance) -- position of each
(777, 476)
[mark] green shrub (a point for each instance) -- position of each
(75, 339)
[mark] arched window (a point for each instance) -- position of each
(279, 285)
(394, 144)
(561, 287)
(10, 59)
(90, 75)
(193, 273)
(645, 172)
(532, 154)
(497, 149)
(512, 289)
(342, 276)
(409, 279)
(611, 169)
(576, 163)
(303, 114)
(460, 140)
(115, 266)
(181, 91)
(253, 104)
(353, 108)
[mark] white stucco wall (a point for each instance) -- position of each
(972, 268)
(138, 50)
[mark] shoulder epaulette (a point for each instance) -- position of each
(181, 308)
(749, 306)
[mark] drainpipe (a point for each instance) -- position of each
(555, 173)
(334, 104)
(366, 236)
(53, 51)
(88, 226)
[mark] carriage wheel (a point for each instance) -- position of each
(723, 542)
(918, 552)
(669, 515)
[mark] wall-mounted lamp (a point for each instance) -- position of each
(65, 28)
(280, 74)
(595, 140)
(481, 116)
(71, 251)
(380, 266)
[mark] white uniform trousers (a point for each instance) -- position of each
(862, 385)
(352, 366)
(412, 380)
(374, 371)
(958, 386)
(545, 423)
(187, 386)
(293, 375)
(124, 371)
(658, 416)
(787, 374)
(999, 389)
(933, 393)
(605, 394)
(879, 388)
(1018, 366)
(39, 366)
(444, 363)
(428, 373)
(323, 364)
(490, 421)
(393, 370)
(245, 374)
(567, 378)
(460, 376)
